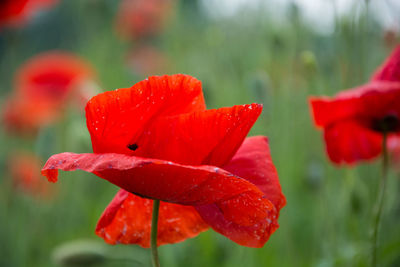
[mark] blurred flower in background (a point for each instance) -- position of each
(147, 60)
(16, 13)
(138, 19)
(42, 87)
(355, 121)
(24, 169)
(391, 37)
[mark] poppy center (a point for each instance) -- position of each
(389, 123)
(133, 147)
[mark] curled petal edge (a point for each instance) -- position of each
(170, 182)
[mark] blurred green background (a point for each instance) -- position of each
(247, 57)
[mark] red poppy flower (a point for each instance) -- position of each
(17, 12)
(156, 140)
(24, 170)
(354, 121)
(42, 86)
(137, 19)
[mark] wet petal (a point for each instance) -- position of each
(255, 235)
(349, 141)
(127, 220)
(252, 162)
(168, 181)
(117, 117)
(208, 137)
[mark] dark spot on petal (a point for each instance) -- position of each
(133, 147)
(389, 123)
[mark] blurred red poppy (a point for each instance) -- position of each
(17, 12)
(137, 19)
(42, 86)
(25, 171)
(158, 141)
(147, 60)
(354, 121)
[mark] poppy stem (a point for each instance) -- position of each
(379, 201)
(153, 237)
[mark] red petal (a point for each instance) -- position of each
(370, 101)
(127, 220)
(326, 110)
(206, 137)
(348, 142)
(167, 181)
(390, 69)
(116, 118)
(252, 162)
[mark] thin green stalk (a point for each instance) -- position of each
(379, 201)
(153, 237)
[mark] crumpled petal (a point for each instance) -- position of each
(390, 69)
(252, 162)
(349, 141)
(170, 182)
(127, 220)
(209, 137)
(116, 118)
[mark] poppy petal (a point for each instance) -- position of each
(214, 135)
(115, 118)
(372, 100)
(326, 110)
(127, 220)
(349, 141)
(390, 69)
(168, 181)
(252, 162)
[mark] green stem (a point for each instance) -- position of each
(153, 237)
(379, 201)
